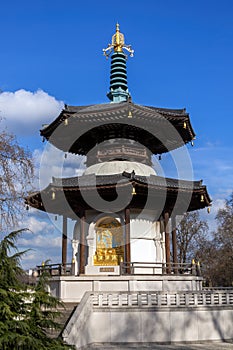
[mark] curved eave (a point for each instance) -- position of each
(91, 125)
(198, 196)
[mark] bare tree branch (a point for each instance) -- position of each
(16, 176)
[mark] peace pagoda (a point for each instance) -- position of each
(123, 210)
(124, 249)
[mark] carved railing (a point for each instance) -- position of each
(147, 268)
(208, 318)
(130, 268)
(163, 299)
(56, 269)
(122, 150)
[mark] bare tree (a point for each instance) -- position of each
(215, 250)
(223, 241)
(16, 175)
(190, 233)
(224, 234)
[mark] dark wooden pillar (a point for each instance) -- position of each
(64, 242)
(127, 238)
(174, 245)
(167, 242)
(82, 250)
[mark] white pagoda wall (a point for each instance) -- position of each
(147, 242)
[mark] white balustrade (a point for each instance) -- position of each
(162, 299)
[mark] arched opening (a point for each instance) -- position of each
(109, 242)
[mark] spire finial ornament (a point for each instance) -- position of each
(118, 78)
(118, 44)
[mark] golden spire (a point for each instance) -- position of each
(118, 40)
(118, 44)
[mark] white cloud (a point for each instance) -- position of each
(214, 165)
(41, 241)
(44, 240)
(35, 225)
(52, 162)
(218, 203)
(24, 112)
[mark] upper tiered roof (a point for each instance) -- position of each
(80, 128)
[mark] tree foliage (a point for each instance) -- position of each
(190, 233)
(16, 175)
(217, 253)
(214, 250)
(224, 234)
(26, 313)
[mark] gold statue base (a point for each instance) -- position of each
(108, 257)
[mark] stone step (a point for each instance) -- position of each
(65, 313)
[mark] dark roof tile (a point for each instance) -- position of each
(103, 180)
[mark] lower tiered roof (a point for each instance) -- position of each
(70, 196)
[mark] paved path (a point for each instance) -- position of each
(203, 346)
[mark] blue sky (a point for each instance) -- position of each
(183, 58)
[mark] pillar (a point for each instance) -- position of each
(75, 246)
(174, 245)
(167, 242)
(64, 242)
(127, 238)
(82, 250)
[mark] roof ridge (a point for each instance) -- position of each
(164, 109)
(141, 178)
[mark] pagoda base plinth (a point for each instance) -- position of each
(102, 270)
(71, 289)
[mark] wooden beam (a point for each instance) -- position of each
(174, 245)
(82, 255)
(167, 242)
(127, 238)
(64, 242)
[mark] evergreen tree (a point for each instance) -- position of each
(26, 313)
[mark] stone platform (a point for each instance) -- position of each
(129, 319)
(71, 289)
